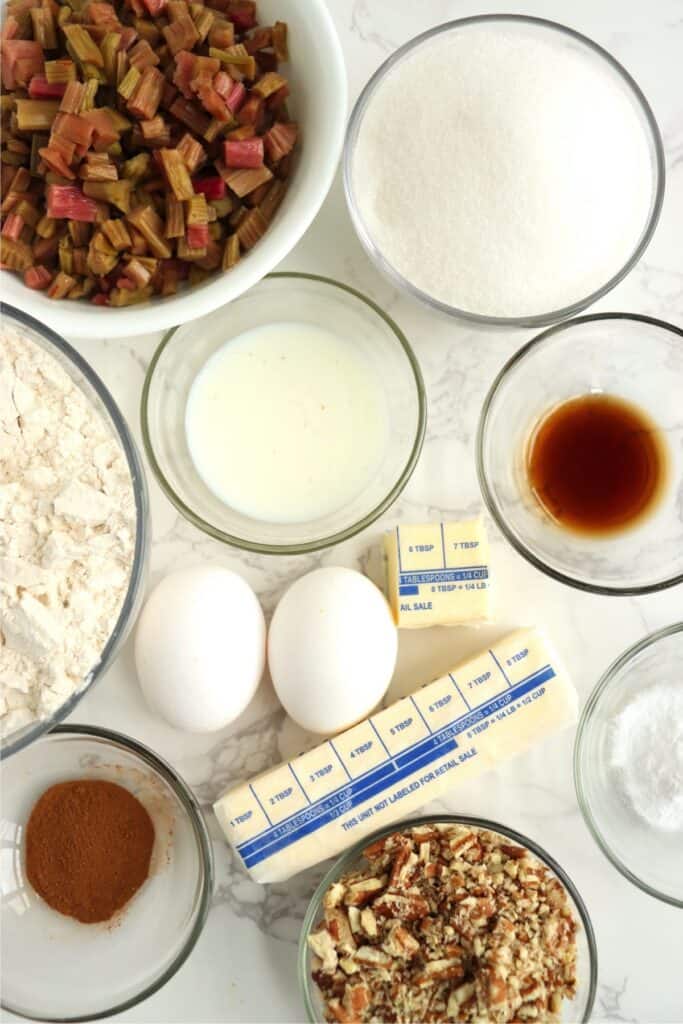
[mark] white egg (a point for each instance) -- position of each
(200, 648)
(332, 649)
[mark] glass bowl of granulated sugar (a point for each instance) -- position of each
(504, 169)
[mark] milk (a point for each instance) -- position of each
(287, 422)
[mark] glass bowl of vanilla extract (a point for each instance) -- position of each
(580, 453)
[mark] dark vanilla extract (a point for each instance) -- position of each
(597, 464)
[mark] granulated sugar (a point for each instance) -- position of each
(503, 170)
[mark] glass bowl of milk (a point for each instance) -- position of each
(287, 421)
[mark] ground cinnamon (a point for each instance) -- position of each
(88, 848)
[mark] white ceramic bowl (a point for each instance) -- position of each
(318, 102)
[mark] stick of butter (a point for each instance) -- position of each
(438, 574)
(487, 709)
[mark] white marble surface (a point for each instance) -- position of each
(243, 968)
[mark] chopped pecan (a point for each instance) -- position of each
(410, 907)
(464, 926)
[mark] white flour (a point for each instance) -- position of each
(647, 755)
(502, 172)
(67, 533)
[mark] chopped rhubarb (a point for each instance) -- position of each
(73, 98)
(242, 13)
(176, 173)
(270, 82)
(276, 102)
(252, 228)
(236, 97)
(212, 188)
(36, 115)
(190, 114)
(104, 125)
(117, 193)
(222, 34)
(181, 34)
(244, 181)
(145, 101)
(231, 252)
(40, 89)
(251, 112)
(260, 39)
(175, 217)
(280, 40)
(117, 234)
(85, 49)
(142, 55)
(68, 202)
(197, 236)
(236, 58)
(223, 83)
(44, 28)
(13, 226)
(247, 153)
(135, 157)
(21, 60)
(280, 140)
(100, 13)
(184, 71)
(192, 152)
(60, 71)
(55, 160)
(272, 199)
(75, 128)
(151, 227)
(203, 20)
(213, 104)
(61, 286)
(38, 277)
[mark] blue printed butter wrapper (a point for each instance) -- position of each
(489, 708)
(438, 574)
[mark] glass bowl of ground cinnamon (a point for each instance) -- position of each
(106, 875)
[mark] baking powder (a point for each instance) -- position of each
(646, 753)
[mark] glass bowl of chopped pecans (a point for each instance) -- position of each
(447, 918)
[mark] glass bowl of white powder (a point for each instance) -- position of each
(503, 169)
(74, 530)
(628, 764)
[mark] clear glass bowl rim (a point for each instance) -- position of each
(205, 851)
(341, 535)
(490, 502)
(536, 320)
(142, 534)
(350, 856)
(580, 767)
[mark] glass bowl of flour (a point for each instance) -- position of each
(503, 169)
(628, 764)
(74, 529)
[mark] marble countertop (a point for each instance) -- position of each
(243, 968)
